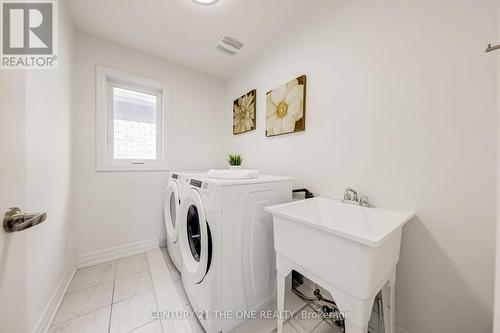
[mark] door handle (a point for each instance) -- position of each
(14, 220)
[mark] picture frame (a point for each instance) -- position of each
(245, 113)
(286, 108)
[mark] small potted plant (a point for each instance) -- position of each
(234, 161)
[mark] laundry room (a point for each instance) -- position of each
(249, 166)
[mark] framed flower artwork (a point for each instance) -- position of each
(244, 113)
(285, 110)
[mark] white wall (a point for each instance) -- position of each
(118, 208)
(401, 106)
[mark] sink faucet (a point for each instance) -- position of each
(351, 197)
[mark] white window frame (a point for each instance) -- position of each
(106, 79)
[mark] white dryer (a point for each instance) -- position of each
(173, 198)
(226, 244)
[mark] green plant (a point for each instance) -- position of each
(234, 159)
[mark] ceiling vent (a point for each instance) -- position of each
(229, 45)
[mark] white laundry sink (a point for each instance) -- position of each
(350, 250)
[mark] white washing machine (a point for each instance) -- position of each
(173, 199)
(226, 244)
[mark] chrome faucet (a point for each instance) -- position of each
(351, 197)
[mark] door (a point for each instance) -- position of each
(195, 239)
(13, 297)
(171, 210)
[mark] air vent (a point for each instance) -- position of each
(229, 45)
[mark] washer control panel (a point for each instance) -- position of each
(196, 183)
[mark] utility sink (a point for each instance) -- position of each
(350, 250)
(366, 225)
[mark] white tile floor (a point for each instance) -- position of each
(114, 297)
(120, 296)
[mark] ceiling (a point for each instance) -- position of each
(186, 33)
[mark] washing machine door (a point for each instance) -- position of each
(171, 210)
(194, 236)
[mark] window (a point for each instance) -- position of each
(131, 114)
(134, 121)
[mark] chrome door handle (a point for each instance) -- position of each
(14, 220)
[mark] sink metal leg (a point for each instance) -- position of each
(280, 281)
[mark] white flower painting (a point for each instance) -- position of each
(244, 113)
(285, 111)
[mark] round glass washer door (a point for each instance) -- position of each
(171, 209)
(194, 236)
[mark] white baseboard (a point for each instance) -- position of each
(55, 300)
(101, 256)
(399, 329)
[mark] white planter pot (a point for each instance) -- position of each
(235, 167)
